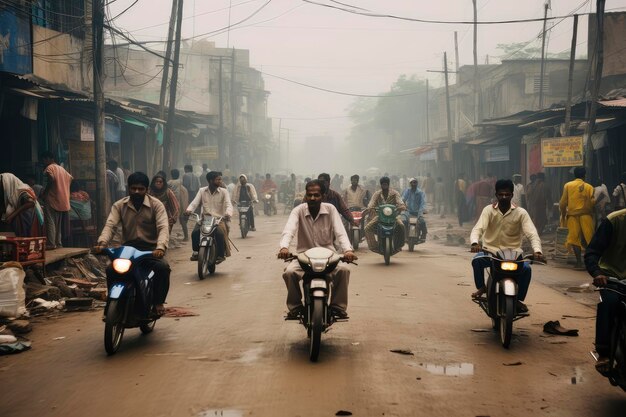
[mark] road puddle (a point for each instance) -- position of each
(452, 369)
(221, 413)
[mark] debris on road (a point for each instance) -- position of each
(343, 413)
(16, 347)
(554, 327)
(402, 352)
(567, 316)
(518, 363)
(481, 330)
(178, 312)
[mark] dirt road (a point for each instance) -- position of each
(239, 358)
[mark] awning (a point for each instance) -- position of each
(135, 122)
(423, 149)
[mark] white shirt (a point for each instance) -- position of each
(505, 231)
(518, 192)
(215, 204)
(322, 231)
(121, 186)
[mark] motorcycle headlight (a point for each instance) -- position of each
(121, 266)
(318, 265)
(206, 229)
(387, 211)
(268, 196)
(508, 266)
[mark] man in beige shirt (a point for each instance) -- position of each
(316, 224)
(355, 195)
(501, 226)
(215, 201)
(145, 227)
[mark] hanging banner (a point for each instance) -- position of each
(562, 152)
(15, 42)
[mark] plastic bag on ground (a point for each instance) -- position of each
(12, 293)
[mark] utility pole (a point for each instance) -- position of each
(570, 80)
(476, 79)
(171, 115)
(543, 53)
(448, 115)
(221, 142)
(233, 107)
(457, 106)
(98, 98)
(166, 60)
(280, 129)
(427, 114)
(597, 80)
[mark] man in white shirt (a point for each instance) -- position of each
(215, 201)
(518, 192)
(501, 226)
(316, 224)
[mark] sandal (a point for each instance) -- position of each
(603, 366)
(479, 293)
(160, 309)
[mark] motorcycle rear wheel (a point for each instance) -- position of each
(203, 257)
(113, 327)
(212, 258)
(506, 321)
(356, 238)
(243, 225)
(317, 327)
(387, 253)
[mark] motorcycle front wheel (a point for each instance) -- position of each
(506, 320)
(317, 327)
(243, 225)
(212, 258)
(356, 239)
(203, 257)
(387, 253)
(114, 326)
(147, 327)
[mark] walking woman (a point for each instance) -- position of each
(19, 207)
(160, 190)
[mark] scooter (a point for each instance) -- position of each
(617, 356)
(500, 302)
(317, 263)
(387, 225)
(268, 208)
(130, 296)
(244, 225)
(357, 232)
(207, 254)
(413, 234)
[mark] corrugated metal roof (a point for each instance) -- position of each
(621, 102)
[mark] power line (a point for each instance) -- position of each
(445, 22)
(124, 11)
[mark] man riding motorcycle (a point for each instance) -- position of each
(315, 224)
(333, 197)
(501, 226)
(415, 200)
(270, 187)
(604, 257)
(144, 226)
(245, 192)
(355, 195)
(215, 201)
(385, 195)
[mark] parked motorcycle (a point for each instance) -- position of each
(617, 356)
(413, 234)
(244, 225)
(317, 263)
(500, 301)
(357, 232)
(130, 301)
(207, 254)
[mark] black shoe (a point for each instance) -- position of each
(194, 256)
(253, 229)
(295, 314)
(338, 313)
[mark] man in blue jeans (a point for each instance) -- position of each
(501, 226)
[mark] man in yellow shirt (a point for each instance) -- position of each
(576, 207)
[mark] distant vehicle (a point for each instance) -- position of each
(207, 255)
(244, 224)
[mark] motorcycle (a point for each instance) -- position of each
(387, 225)
(413, 234)
(244, 225)
(317, 264)
(129, 303)
(268, 206)
(617, 354)
(357, 232)
(207, 254)
(500, 302)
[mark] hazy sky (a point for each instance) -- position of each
(346, 52)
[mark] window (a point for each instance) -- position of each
(66, 16)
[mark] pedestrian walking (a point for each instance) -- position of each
(620, 193)
(439, 204)
(538, 201)
(160, 190)
(519, 198)
(191, 182)
(577, 205)
(601, 195)
(182, 195)
(460, 187)
(56, 197)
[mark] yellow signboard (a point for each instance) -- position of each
(562, 152)
(82, 165)
(203, 153)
